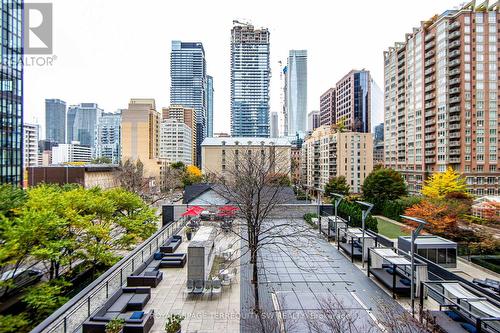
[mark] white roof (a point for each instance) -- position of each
(487, 198)
(245, 141)
(484, 306)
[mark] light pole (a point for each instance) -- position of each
(338, 200)
(414, 234)
(364, 214)
(319, 210)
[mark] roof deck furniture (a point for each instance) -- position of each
(146, 275)
(201, 253)
(350, 240)
(198, 287)
(216, 287)
(475, 309)
(171, 244)
(434, 248)
(125, 299)
(174, 260)
(392, 268)
(488, 283)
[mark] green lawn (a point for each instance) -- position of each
(389, 229)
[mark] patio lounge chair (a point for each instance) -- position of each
(198, 287)
(189, 287)
(208, 287)
(216, 287)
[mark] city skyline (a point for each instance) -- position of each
(79, 50)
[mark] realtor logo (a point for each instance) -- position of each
(37, 28)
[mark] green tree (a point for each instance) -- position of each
(101, 160)
(337, 185)
(382, 185)
(45, 298)
(14, 323)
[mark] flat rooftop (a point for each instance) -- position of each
(429, 240)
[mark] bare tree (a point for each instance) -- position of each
(252, 181)
(397, 320)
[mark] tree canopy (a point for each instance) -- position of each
(337, 185)
(383, 184)
(441, 184)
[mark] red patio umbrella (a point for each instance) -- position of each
(190, 212)
(197, 209)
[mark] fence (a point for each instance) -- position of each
(71, 315)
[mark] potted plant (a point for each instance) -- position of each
(115, 325)
(173, 324)
(189, 232)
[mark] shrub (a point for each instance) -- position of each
(394, 208)
(309, 216)
(353, 210)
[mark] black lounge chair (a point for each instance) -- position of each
(171, 244)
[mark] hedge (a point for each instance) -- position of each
(353, 210)
(490, 262)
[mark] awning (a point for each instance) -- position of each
(391, 256)
(457, 291)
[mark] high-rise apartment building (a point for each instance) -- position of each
(378, 145)
(353, 101)
(188, 87)
(70, 153)
(274, 125)
(82, 120)
(107, 137)
(297, 92)
(210, 106)
(140, 134)
(250, 77)
(326, 154)
(283, 100)
(327, 113)
(11, 107)
(186, 116)
(175, 142)
(30, 143)
(55, 120)
(441, 99)
(313, 120)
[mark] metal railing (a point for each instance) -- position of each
(70, 317)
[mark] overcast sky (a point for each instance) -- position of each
(108, 51)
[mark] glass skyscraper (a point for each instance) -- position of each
(297, 92)
(210, 106)
(11, 98)
(250, 75)
(82, 121)
(107, 137)
(55, 120)
(188, 84)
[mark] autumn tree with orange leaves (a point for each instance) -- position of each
(440, 220)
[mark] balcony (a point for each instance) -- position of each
(454, 118)
(430, 145)
(454, 127)
(429, 45)
(430, 137)
(455, 109)
(454, 160)
(429, 54)
(454, 81)
(454, 35)
(430, 105)
(430, 113)
(454, 26)
(429, 62)
(430, 153)
(430, 160)
(454, 135)
(454, 151)
(430, 79)
(454, 100)
(430, 122)
(429, 87)
(429, 37)
(454, 44)
(454, 63)
(429, 130)
(429, 71)
(455, 143)
(454, 54)
(454, 72)
(453, 92)
(429, 96)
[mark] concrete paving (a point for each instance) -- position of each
(203, 314)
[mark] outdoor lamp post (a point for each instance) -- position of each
(414, 234)
(319, 209)
(364, 214)
(338, 200)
